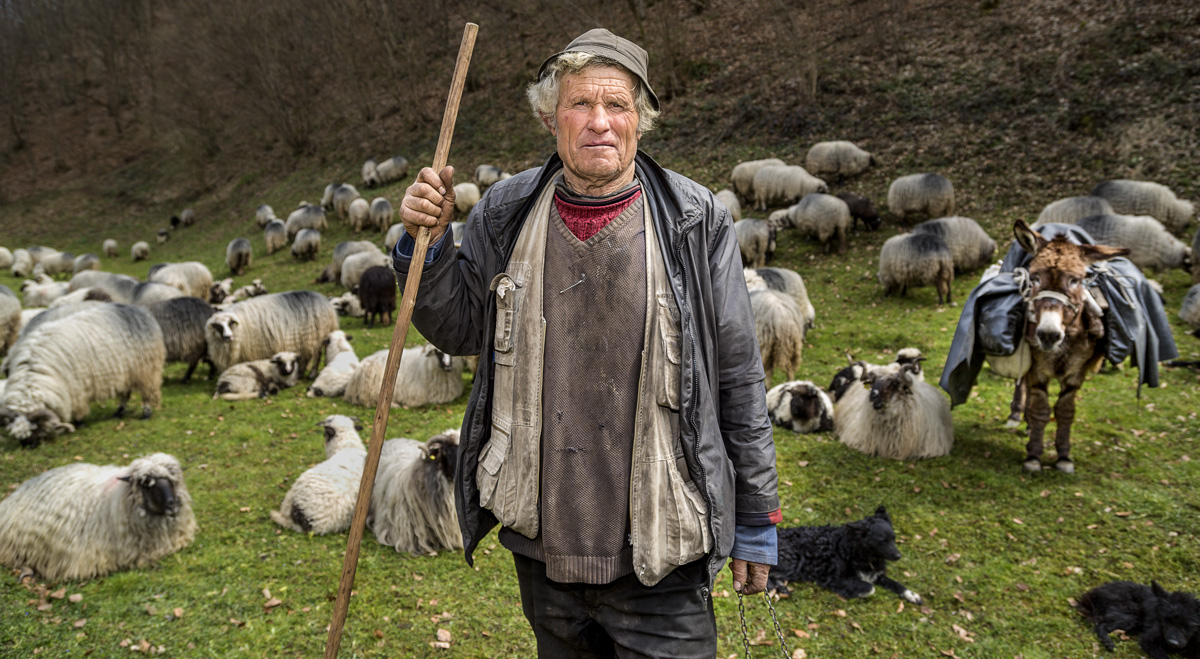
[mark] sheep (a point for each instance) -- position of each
(852, 374)
(22, 264)
(31, 319)
(1189, 311)
(10, 318)
(253, 289)
(359, 214)
(295, 321)
(377, 291)
(756, 241)
(912, 260)
(970, 246)
(743, 173)
(27, 318)
(488, 175)
(779, 328)
(381, 214)
(182, 321)
(56, 263)
(784, 281)
(394, 233)
(356, 264)
(466, 195)
(39, 253)
(824, 216)
(343, 196)
(1150, 245)
(340, 364)
(389, 171)
(259, 378)
(306, 245)
(275, 236)
(427, 376)
(6, 258)
(915, 194)
(322, 499)
(119, 287)
(61, 367)
(861, 208)
(348, 304)
(110, 248)
(85, 262)
(81, 295)
(840, 158)
(188, 217)
(1196, 258)
(412, 503)
(191, 277)
(368, 172)
(307, 216)
(42, 292)
(1070, 210)
(785, 185)
(220, 290)
(1146, 198)
(800, 406)
(345, 249)
(174, 222)
(730, 199)
(83, 521)
(264, 215)
(326, 197)
(237, 256)
(140, 251)
(897, 415)
(163, 236)
(326, 275)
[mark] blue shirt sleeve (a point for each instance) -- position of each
(402, 252)
(757, 544)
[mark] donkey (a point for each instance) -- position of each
(1063, 331)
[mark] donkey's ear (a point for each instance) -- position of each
(1093, 253)
(1030, 240)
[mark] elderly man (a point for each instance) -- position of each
(617, 429)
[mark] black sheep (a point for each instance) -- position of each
(377, 292)
(861, 209)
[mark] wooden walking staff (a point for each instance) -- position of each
(358, 524)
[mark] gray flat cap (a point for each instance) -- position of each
(603, 43)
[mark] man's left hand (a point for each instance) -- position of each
(749, 578)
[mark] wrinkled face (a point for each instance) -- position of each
(223, 326)
(596, 125)
(1059, 269)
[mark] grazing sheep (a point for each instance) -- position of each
(42, 292)
(488, 175)
(1189, 311)
(188, 217)
(779, 328)
(254, 289)
(322, 499)
(861, 208)
(81, 295)
(743, 173)
(800, 406)
(264, 215)
(85, 262)
(824, 216)
(916, 194)
(57, 370)
(377, 291)
(307, 216)
(10, 318)
(1146, 198)
(326, 197)
(326, 276)
(140, 251)
(54, 263)
(784, 281)
(368, 172)
(275, 236)
(31, 319)
(360, 214)
(182, 321)
(148, 292)
(119, 287)
(340, 364)
(343, 196)
(110, 248)
(345, 249)
(381, 214)
(163, 236)
(785, 185)
(427, 376)
(1070, 210)
(83, 521)
(897, 415)
(389, 171)
(191, 277)
(756, 240)
(394, 233)
(6, 258)
(412, 503)
(237, 256)
(356, 264)
(466, 195)
(295, 321)
(306, 245)
(840, 158)
(1150, 245)
(22, 263)
(912, 260)
(259, 378)
(348, 304)
(730, 199)
(970, 246)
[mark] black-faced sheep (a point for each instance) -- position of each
(340, 364)
(359, 214)
(110, 248)
(824, 216)
(785, 185)
(192, 277)
(357, 264)
(140, 251)
(1146, 198)
(1150, 245)
(466, 195)
(756, 240)
(182, 321)
(743, 173)
(377, 292)
(85, 262)
(780, 329)
(259, 378)
(389, 171)
(62, 366)
(426, 376)
(295, 321)
(970, 246)
(931, 195)
(1070, 210)
(237, 256)
(912, 260)
(1189, 311)
(897, 415)
(381, 214)
(307, 216)
(220, 290)
(412, 503)
(861, 208)
(784, 281)
(188, 217)
(343, 196)
(800, 406)
(322, 499)
(83, 521)
(275, 236)
(851, 376)
(264, 215)
(838, 158)
(730, 199)
(307, 245)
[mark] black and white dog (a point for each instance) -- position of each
(849, 560)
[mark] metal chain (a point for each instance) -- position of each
(774, 620)
(745, 632)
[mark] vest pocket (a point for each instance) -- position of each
(669, 365)
(487, 474)
(509, 291)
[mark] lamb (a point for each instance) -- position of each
(840, 158)
(898, 415)
(427, 376)
(343, 196)
(1189, 311)
(377, 291)
(10, 318)
(1150, 245)
(916, 194)
(259, 378)
(1070, 210)
(264, 215)
(730, 199)
(861, 208)
(140, 251)
(393, 236)
(6, 258)
(779, 328)
(356, 264)
(85, 262)
(188, 217)
(191, 277)
(756, 240)
(743, 173)
(253, 289)
(119, 287)
(61, 367)
(110, 248)
(824, 216)
(389, 171)
(81, 295)
(345, 249)
(466, 195)
(784, 185)
(348, 304)
(22, 263)
(322, 499)
(360, 214)
(295, 321)
(340, 364)
(182, 321)
(275, 236)
(912, 260)
(163, 236)
(237, 256)
(306, 245)
(970, 246)
(42, 292)
(801, 406)
(307, 216)
(1146, 198)
(381, 214)
(488, 175)
(412, 503)
(83, 521)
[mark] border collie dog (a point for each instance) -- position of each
(1168, 623)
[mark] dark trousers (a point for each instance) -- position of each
(672, 619)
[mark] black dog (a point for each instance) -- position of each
(850, 560)
(1169, 623)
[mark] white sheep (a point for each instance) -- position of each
(912, 260)
(743, 173)
(139, 251)
(6, 258)
(823, 216)
(426, 376)
(359, 213)
(191, 277)
(340, 364)
(779, 327)
(895, 415)
(916, 194)
(466, 195)
(85, 262)
(756, 241)
(307, 216)
(10, 318)
(188, 217)
(83, 521)
(488, 175)
(412, 503)
(1146, 198)
(119, 287)
(784, 281)
(800, 406)
(1070, 210)
(839, 158)
(730, 199)
(344, 249)
(381, 214)
(1189, 311)
(356, 264)
(1150, 245)
(307, 245)
(776, 185)
(264, 215)
(343, 196)
(254, 289)
(259, 378)
(42, 292)
(81, 295)
(348, 304)
(394, 233)
(295, 321)
(390, 170)
(110, 248)
(148, 292)
(238, 256)
(970, 246)
(322, 499)
(22, 264)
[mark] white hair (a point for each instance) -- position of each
(543, 94)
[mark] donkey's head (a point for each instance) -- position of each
(1056, 274)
